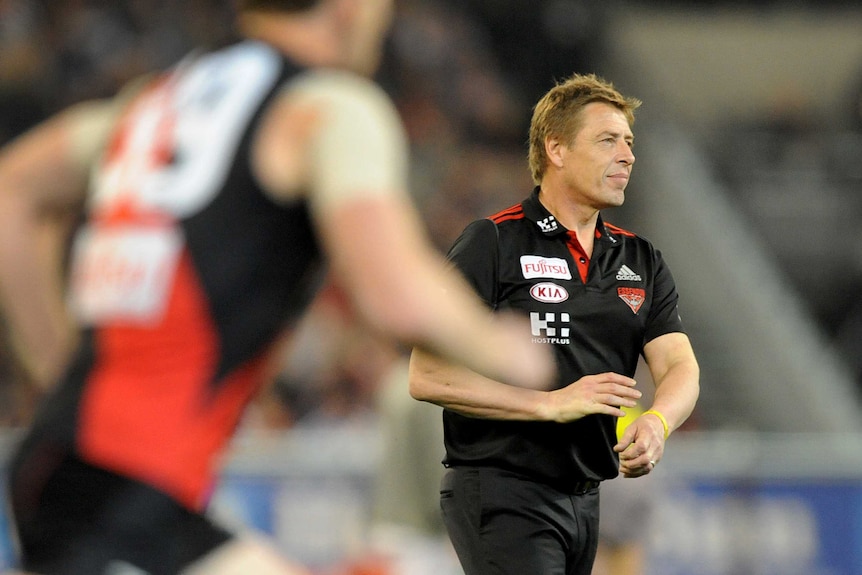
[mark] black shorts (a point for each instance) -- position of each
(76, 519)
(502, 523)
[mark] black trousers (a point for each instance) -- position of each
(502, 523)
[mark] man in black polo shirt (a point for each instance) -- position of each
(521, 493)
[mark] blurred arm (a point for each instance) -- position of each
(43, 176)
(340, 138)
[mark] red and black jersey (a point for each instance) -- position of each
(183, 275)
(597, 313)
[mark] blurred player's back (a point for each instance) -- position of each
(211, 195)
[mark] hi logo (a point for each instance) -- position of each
(548, 224)
(546, 328)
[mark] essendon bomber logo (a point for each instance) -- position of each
(542, 267)
(634, 297)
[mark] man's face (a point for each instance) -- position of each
(598, 163)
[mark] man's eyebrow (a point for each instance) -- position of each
(616, 134)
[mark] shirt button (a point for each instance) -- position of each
(583, 260)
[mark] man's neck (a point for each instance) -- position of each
(306, 39)
(576, 217)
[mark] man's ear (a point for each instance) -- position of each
(553, 150)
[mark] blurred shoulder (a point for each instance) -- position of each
(340, 89)
(90, 123)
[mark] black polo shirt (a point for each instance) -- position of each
(597, 314)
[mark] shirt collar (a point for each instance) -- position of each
(550, 227)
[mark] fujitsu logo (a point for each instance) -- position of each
(542, 267)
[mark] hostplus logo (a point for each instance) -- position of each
(547, 328)
(548, 224)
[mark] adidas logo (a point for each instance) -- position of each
(626, 274)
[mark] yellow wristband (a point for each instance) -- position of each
(662, 419)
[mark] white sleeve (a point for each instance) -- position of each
(360, 147)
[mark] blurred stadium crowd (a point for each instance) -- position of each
(464, 75)
(466, 114)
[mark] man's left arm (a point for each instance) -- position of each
(676, 374)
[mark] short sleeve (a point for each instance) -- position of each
(664, 311)
(475, 254)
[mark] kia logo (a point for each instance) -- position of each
(548, 292)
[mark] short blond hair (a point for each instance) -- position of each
(558, 113)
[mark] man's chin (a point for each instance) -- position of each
(616, 200)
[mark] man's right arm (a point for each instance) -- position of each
(458, 389)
